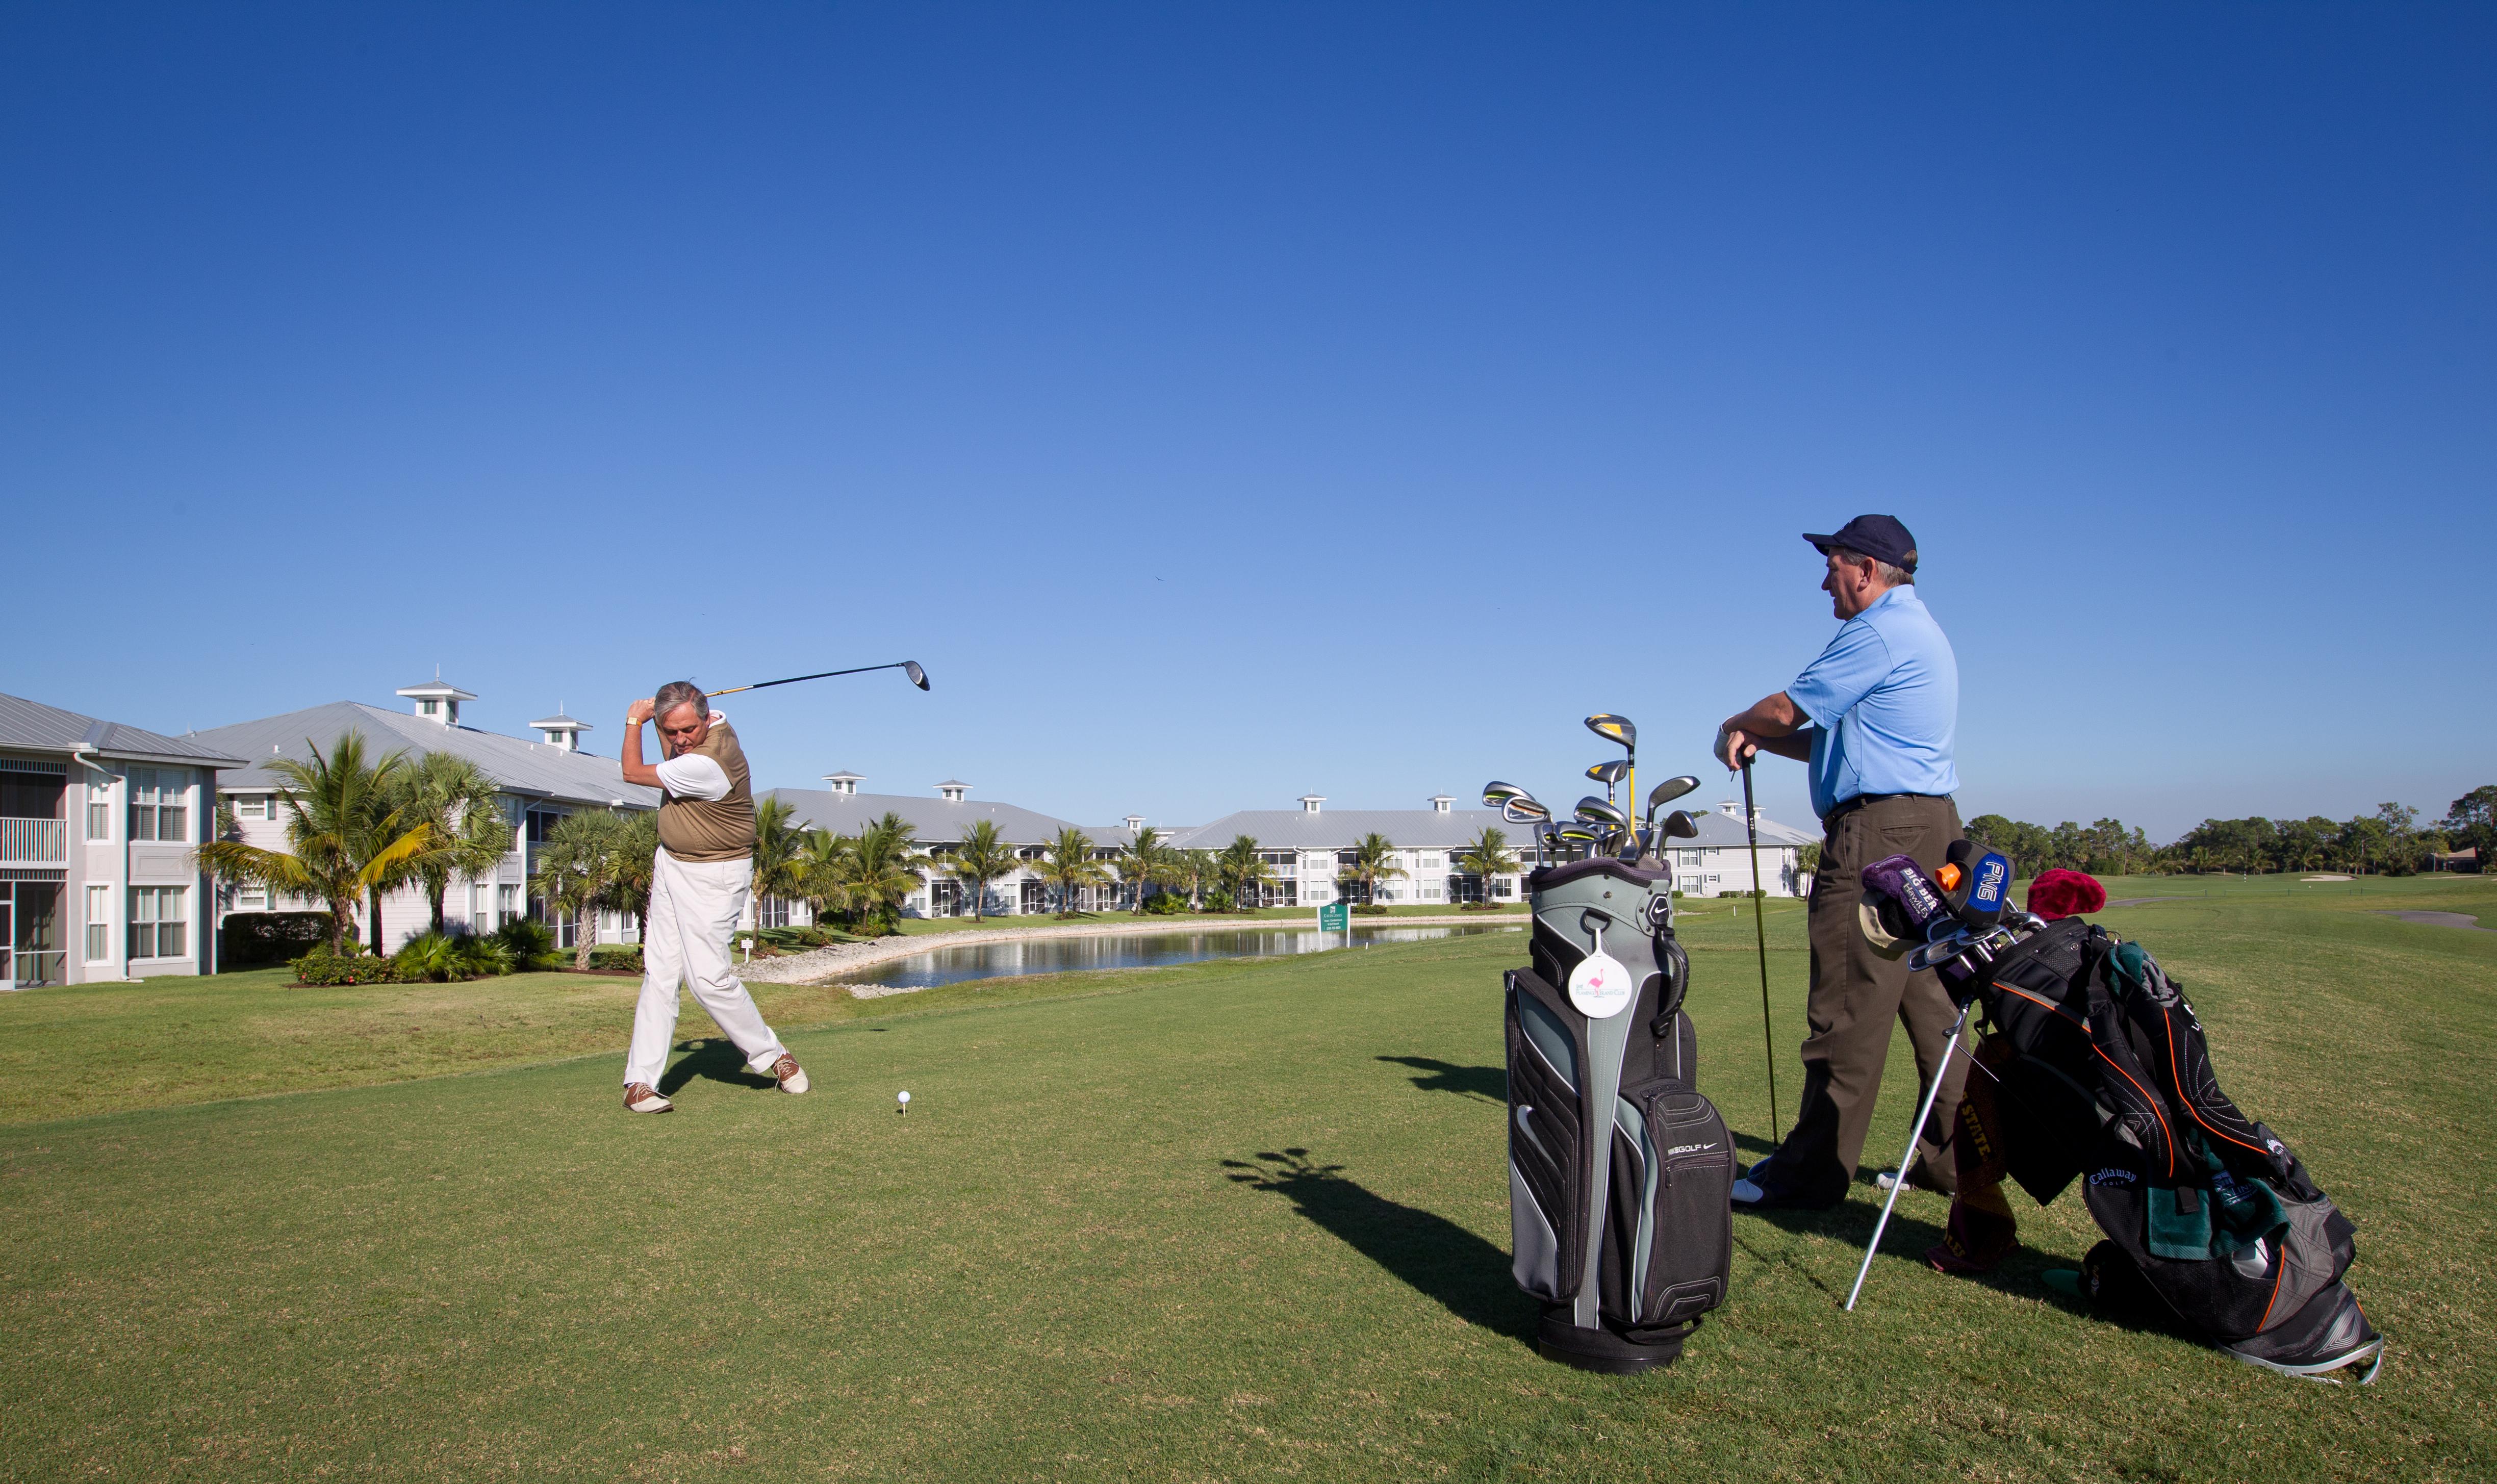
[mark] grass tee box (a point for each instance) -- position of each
(1240, 1220)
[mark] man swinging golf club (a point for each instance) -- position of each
(1874, 719)
(705, 868)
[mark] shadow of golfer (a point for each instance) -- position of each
(712, 1060)
(1489, 1083)
(1430, 1254)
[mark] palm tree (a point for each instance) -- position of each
(637, 864)
(344, 841)
(579, 870)
(1068, 865)
(454, 796)
(1373, 860)
(1145, 862)
(980, 858)
(1192, 872)
(779, 852)
(1243, 871)
(874, 874)
(1487, 856)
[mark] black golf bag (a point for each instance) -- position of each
(2105, 1076)
(1619, 1174)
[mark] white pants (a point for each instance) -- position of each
(695, 909)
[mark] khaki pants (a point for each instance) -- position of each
(694, 911)
(1856, 994)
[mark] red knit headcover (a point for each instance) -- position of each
(2061, 893)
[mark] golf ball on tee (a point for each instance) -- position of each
(905, 1099)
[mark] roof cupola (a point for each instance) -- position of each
(437, 700)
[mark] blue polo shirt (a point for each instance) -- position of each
(1884, 700)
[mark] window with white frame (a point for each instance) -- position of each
(158, 925)
(251, 896)
(99, 807)
(506, 904)
(160, 803)
(98, 924)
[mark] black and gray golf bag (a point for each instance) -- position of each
(1619, 1174)
(2105, 1076)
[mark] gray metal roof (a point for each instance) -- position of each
(1342, 829)
(938, 821)
(531, 770)
(34, 727)
(559, 720)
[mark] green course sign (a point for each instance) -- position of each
(1336, 917)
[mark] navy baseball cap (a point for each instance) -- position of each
(1880, 537)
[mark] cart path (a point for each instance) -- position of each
(818, 964)
(2467, 919)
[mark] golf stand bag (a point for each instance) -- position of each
(2095, 1069)
(1619, 1174)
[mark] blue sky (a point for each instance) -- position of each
(1231, 402)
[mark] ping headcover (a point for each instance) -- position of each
(1900, 908)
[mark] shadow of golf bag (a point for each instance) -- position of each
(2103, 1075)
(1619, 1174)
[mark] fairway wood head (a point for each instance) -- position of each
(911, 668)
(1679, 825)
(1612, 728)
(1610, 774)
(1670, 790)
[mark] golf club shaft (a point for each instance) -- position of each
(1907, 1160)
(1760, 932)
(824, 675)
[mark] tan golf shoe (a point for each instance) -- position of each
(793, 1077)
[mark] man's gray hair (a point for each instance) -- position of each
(1890, 575)
(674, 694)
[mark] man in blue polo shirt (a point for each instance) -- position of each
(1872, 720)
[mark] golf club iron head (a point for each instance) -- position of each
(1497, 794)
(1524, 811)
(1668, 791)
(1602, 812)
(1612, 728)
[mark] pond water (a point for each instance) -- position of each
(1130, 950)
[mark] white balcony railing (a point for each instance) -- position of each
(34, 841)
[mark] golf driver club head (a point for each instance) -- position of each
(1612, 728)
(1668, 791)
(1679, 825)
(911, 668)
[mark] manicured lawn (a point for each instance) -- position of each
(1236, 1220)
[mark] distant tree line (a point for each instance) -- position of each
(2392, 841)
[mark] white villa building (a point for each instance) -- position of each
(540, 782)
(1308, 850)
(98, 820)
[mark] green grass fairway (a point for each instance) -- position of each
(1237, 1221)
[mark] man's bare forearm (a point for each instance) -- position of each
(635, 769)
(1774, 723)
